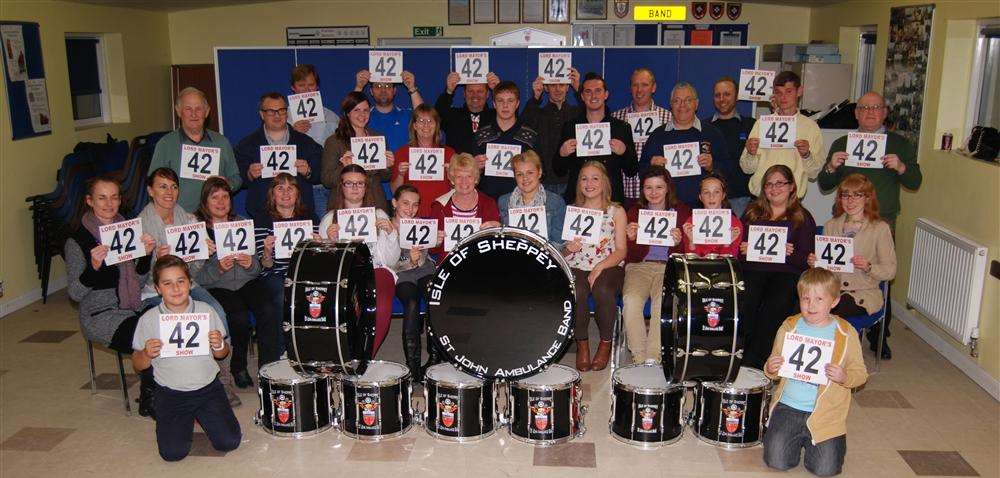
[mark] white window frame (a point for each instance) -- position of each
(976, 79)
(102, 73)
(865, 71)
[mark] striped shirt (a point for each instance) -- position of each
(265, 228)
(631, 183)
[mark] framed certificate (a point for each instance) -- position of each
(458, 12)
(533, 11)
(591, 10)
(509, 11)
(484, 11)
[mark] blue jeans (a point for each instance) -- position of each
(321, 195)
(787, 435)
(555, 188)
(200, 294)
(274, 287)
(739, 205)
(176, 412)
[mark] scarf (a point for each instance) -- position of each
(517, 200)
(128, 279)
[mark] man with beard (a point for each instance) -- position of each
(460, 124)
(391, 120)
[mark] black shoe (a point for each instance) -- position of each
(242, 379)
(147, 385)
(886, 352)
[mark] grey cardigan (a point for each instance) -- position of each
(235, 278)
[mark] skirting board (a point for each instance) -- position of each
(958, 358)
(30, 297)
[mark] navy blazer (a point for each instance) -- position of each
(248, 152)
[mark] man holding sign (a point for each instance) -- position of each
(686, 147)
(573, 153)
(735, 130)
(305, 79)
(643, 116)
(276, 148)
(387, 117)
(460, 124)
(802, 151)
(548, 121)
(505, 130)
(818, 357)
(194, 152)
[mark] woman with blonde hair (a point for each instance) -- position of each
(464, 200)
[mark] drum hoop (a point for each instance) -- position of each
(336, 310)
(730, 389)
(295, 284)
(303, 379)
(550, 387)
(357, 382)
(450, 384)
(617, 382)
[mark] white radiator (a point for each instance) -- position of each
(946, 279)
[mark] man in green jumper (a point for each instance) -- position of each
(899, 168)
(194, 152)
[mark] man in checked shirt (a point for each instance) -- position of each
(643, 86)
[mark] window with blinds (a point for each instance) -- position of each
(87, 82)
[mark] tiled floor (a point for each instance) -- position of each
(919, 417)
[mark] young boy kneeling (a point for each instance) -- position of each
(188, 387)
(805, 415)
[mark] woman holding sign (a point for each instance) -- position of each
(428, 164)
(232, 280)
(529, 193)
(771, 286)
(648, 252)
(464, 200)
(856, 215)
(362, 221)
(161, 212)
(337, 151)
(108, 295)
(597, 268)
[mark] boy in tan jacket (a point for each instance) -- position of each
(805, 414)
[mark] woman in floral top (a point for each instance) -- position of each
(597, 269)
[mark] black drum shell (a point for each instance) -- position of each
(393, 415)
(629, 406)
(310, 411)
(562, 420)
(475, 413)
(320, 273)
(713, 312)
(751, 406)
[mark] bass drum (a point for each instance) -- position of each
(700, 325)
(501, 304)
(329, 314)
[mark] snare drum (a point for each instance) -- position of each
(732, 415)
(376, 405)
(501, 304)
(545, 408)
(701, 332)
(646, 411)
(329, 314)
(460, 407)
(292, 405)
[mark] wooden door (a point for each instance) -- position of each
(201, 77)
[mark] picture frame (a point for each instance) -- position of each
(591, 9)
(532, 11)
(459, 12)
(484, 11)
(508, 11)
(557, 11)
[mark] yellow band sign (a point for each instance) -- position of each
(662, 13)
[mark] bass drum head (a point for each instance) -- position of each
(501, 304)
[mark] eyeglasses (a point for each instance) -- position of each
(277, 112)
(846, 196)
(869, 108)
(425, 121)
(776, 184)
(353, 184)
(682, 101)
(382, 86)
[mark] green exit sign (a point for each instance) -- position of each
(428, 31)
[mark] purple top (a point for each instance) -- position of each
(803, 240)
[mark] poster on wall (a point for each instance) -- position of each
(38, 104)
(13, 51)
(906, 68)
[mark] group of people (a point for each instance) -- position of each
(120, 304)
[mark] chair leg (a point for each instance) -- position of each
(881, 340)
(121, 374)
(93, 374)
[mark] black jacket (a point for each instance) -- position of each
(457, 123)
(248, 152)
(616, 165)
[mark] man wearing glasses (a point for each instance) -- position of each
(805, 159)
(686, 128)
(899, 168)
(252, 158)
(192, 109)
(391, 120)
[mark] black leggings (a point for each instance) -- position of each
(122, 340)
(252, 297)
(769, 299)
(410, 293)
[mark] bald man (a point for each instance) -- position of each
(899, 168)
(192, 108)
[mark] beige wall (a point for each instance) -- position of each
(193, 34)
(28, 166)
(953, 185)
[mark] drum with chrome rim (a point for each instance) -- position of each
(329, 314)
(732, 415)
(545, 409)
(460, 407)
(292, 405)
(376, 405)
(646, 411)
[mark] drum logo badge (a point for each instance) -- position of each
(733, 415)
(541, 411)
(369, 410)
(713, 309)
(648, 415)
(283, 407)
(448, 410)
(315, 299)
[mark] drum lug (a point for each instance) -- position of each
(343, 283)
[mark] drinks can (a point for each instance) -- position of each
(946, 141)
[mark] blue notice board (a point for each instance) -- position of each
(24, 61)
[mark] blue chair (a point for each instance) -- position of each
(863, 322)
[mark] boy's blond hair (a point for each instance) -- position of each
(819, 277)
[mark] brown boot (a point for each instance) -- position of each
(602, 356)
(583, 355)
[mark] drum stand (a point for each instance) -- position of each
(617, 342)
